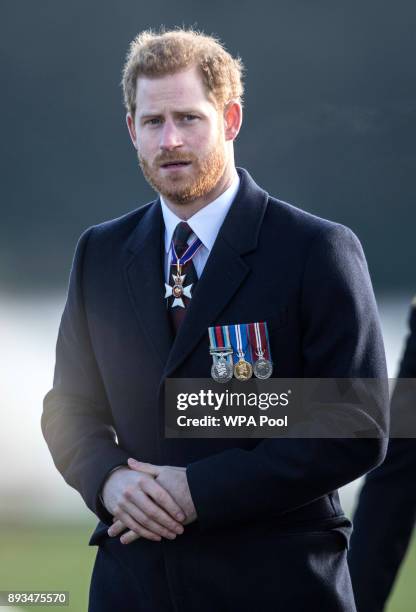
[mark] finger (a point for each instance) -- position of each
(129, 537)
(147, 468)
(163, 499)
(143, 503)
(137, 528)
(148, 523)
(116, 528)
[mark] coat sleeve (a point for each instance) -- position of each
(76, 420)
(386, 510)
(341, 339)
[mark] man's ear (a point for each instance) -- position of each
(131, 128)
(233, 117)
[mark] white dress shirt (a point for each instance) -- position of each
(205, 223)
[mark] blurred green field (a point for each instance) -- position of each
(403, 598)
(48, 558)
(59, 558)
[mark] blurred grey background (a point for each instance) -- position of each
(329, 125)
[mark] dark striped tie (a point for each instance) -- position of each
(180, 241)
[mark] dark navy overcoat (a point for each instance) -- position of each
(271, 533)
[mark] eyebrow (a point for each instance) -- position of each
(186, 111)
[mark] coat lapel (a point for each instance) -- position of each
(144, 274)
(225, 269)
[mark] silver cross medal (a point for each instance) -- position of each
(178, 290)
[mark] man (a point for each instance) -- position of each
(206, 524)
(386, 511)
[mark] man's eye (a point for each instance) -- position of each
(152, 121)
(190, 117)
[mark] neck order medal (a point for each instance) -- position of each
(177, 290)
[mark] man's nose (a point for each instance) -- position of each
(170, 137)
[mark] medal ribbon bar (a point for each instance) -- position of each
(239, 342)
(259, 339)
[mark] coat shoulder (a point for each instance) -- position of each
(305, 228)
(120, 227)
(282, 212)
(112, 236)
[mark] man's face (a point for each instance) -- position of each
(179, 136)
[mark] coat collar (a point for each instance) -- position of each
(224, 272)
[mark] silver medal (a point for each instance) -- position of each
(263, 368)
(221, 369)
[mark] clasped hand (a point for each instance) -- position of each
(151, 501)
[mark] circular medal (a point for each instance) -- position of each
(243, 370)
(177, 291)
(221, 370)
(263, 368)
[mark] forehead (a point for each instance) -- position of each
(171, 91)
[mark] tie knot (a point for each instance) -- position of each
(181, 237)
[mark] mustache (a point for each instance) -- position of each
(172, 156)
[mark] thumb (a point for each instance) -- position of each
(140, 466)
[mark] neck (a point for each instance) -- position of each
(185, 211)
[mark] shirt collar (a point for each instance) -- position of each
(206, 223)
